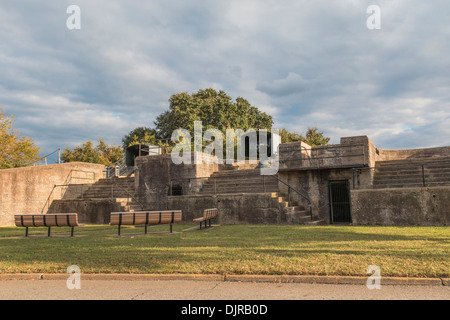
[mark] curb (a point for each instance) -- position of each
(338, 280)
(346, 280)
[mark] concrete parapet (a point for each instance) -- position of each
(31, 189)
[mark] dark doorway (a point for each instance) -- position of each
(176, 190)
(340, 205)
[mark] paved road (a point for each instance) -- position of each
(214, 290)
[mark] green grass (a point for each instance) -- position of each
(237, 249)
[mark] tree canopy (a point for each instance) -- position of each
(214, 108)
(313, 137)
(101, 154)
(140, 134)
(15, 150)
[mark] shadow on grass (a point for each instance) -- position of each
(100, 249)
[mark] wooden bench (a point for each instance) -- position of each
(47, 220)
(145, 218)
(208, 215)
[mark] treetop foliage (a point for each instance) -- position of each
(15, 150)
(86, 152)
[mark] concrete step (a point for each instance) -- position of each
(109, 195)
(437, 183)
(414, 160)
(303, 218)
(239, 182)
(411, 179)
(317, 223)
(236, 189)
(412, 170)
(292, 209)
(397, 176)
(237, 172)
(400, 185)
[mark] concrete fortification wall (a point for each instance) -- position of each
(402, 207)
(377, 196)
(30, 190)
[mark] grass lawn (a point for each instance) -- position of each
(231, 249)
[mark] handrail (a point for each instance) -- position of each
(66, 183)
(114, 164)
(46, 156)
(132, 197)
(119, 163)
(298, 192)
(274, 176)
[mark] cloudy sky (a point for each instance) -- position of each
(305, 62)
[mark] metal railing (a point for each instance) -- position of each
(44, 159)
(78, 192)
(421, 176)
(265, 186)
(66, 184)
(304, 196)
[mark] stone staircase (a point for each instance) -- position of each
(239, 181)
(251, 181)
(409, 173)
(120, 190)
(295, 213)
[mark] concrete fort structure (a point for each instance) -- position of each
(352, 182)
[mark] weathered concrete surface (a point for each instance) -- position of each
(352, 151)
(89, 211)
(411, 154)
(157, 176)
(314, 183)
(242, 208)
(31, 189)
(402, 207)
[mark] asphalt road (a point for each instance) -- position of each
(210, 290)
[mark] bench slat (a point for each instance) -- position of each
(146, 217)
(46, 220)
(208, 214)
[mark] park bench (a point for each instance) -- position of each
(208, 215)
(145, 218)
(47, 220)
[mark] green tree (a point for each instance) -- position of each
(15, 150)
(287, 136)
(214, 108)
(316, 138)
(313, 137)
(101, 154)
(140, 134)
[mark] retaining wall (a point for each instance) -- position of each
(29, 190)
(402, 207)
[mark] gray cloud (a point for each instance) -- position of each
(305, 62)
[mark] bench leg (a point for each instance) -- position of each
(205, 224)
(200, 226)
(26, 232)
(118, 231)
(48, 235)
(170, 228)
(71, 232)
(145, 229)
